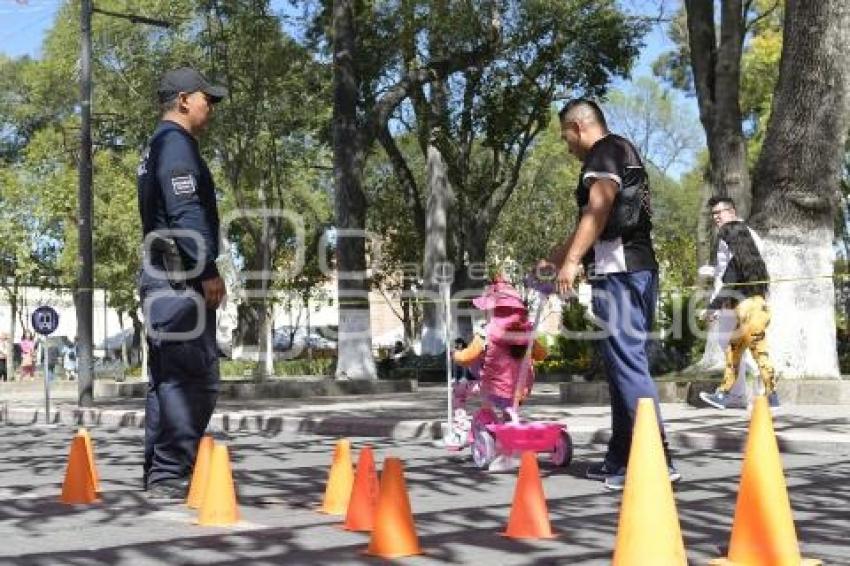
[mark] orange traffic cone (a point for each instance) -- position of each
(90, 451)
(364, 495)
(218, 508)
(394, 534)
(340, 481)
(201, 473)
(529, 516)
(648, 531)
(763, 529)
(78, 486)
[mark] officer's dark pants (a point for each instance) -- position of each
(625, 304)
(182, 392)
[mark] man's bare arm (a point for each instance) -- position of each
(593, 220)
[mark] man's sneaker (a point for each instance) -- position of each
(600, 471)
(718, 399)
(736, 401)
(675, 475)
(617, 482)
(166, 491)
(773, 401)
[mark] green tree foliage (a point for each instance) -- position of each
(265, 150)
(759, 65)
(542, 210)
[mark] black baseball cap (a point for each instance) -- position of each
(186, 79)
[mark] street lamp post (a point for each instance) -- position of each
(83, 301)
(85, 281)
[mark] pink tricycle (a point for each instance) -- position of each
(493, 436)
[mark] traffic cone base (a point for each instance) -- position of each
(727, 562)
(219, 508)
(364, 494)
(529, 518)
(763, 531)
(340, 481)
(648, 530)
(394, 534)
(201, 473)
(78, 486)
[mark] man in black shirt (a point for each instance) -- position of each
(612, 245)
(180, 286)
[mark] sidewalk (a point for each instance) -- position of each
(421, 415)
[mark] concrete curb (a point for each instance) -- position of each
(266, 422)
(792, 392)
(273, 389)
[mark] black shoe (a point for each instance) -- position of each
(600, 471)
(166, 491)
(617, 482)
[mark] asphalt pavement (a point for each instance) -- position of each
(458, 510)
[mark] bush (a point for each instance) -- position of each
(246, 369)
(679, 343)
(573, 354)
(320, 366)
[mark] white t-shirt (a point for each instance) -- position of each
(724, 256)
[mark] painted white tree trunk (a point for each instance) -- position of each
(355, 359)
(801, 335)
(268, 338)
(435, 256)
(144, 343)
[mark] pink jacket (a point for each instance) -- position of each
(501, 369)
(506, 345)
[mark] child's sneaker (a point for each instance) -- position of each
(719, 399)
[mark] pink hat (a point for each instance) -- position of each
(499, 294)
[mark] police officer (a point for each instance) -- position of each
(179, 285)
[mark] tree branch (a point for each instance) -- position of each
(755, 21)
(703, 47)
(405, 176)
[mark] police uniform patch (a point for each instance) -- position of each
(183, 185)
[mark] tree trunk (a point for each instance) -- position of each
(797, 177)
(13, 306)
(717, 80)
(265, 311)
(355, 358)
(125, 353)
(471, 272)
(436, 254)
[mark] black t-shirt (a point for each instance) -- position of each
(614, 157)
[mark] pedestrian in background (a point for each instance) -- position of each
(27, 356)
(5, 354)
(745, 289)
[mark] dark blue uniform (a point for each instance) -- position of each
(180, 221)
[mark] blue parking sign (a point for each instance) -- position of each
(45, 320)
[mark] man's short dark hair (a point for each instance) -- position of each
(714, 201)
(169, 105)
(583, 107)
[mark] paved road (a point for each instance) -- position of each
(458, 510)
